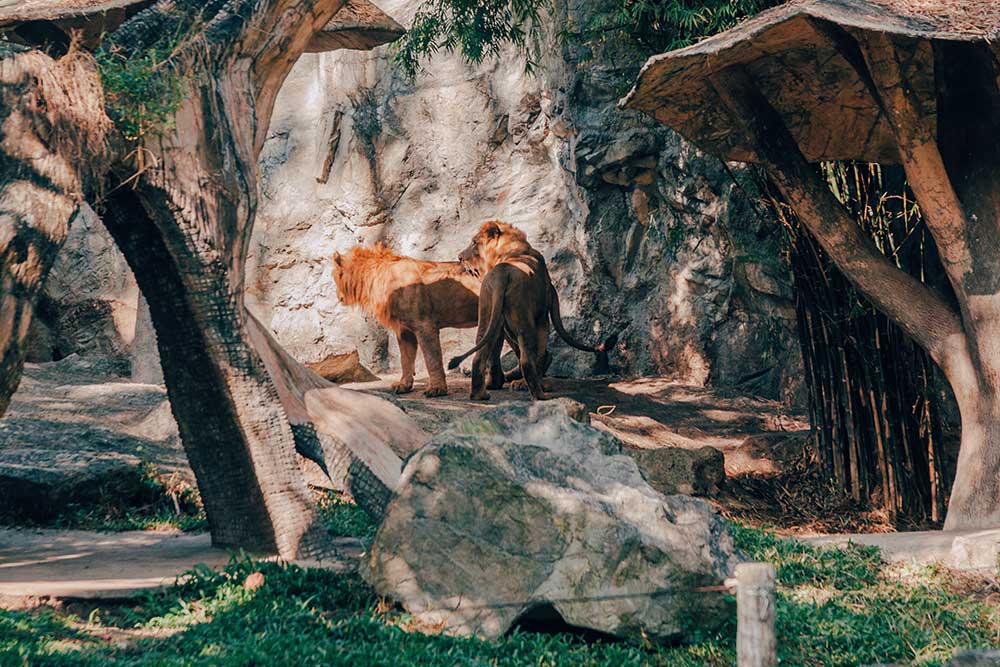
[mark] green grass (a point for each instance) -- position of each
(836, 607)
(345, 519)
(141, 500)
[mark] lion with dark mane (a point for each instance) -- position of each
(516, 300)
(414, 299)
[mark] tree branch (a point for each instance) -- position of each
(907, 102)
(277, 34)
(920, 312)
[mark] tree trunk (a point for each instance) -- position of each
(51, 116)
(183, 224)
(235, 433)
(181, 201)
(977, 482)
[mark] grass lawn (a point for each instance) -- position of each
(835, 607)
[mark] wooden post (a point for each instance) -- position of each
(755, 642)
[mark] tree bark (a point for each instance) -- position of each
(962, 341)
(968, 125)
(184, 229)
(52, 134)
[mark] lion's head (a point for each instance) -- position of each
(494, 242)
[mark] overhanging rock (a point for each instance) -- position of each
(802, 56)
(358, 25)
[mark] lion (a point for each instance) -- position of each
(414, 299)
(516, 300)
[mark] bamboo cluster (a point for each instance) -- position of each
(873, 399)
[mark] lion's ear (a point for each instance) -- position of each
(492, 229)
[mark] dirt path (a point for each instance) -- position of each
(643, 412)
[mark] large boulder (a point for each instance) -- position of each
(88, 306)
(47, 465)
(77, 431)
(522, 510)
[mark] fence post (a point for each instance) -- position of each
(755, 642)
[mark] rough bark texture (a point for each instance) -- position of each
(918, 88)
(52, 132)
(181, 205)
(184, 229)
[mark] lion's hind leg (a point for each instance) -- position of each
(483, 360)
(495, 378)
(529, 367)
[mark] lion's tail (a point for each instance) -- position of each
(492, 331)
(602, 365)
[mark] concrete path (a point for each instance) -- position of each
(959, 549)
(45, 566)
(37, 566)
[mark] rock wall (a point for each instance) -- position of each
(643, 233)
(90, 299)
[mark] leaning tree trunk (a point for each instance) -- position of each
(180, 201)
(52, 139)
(183, 225)
(953, 167)
(968, 172)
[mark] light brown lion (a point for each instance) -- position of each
(516, 300)
(415, 299)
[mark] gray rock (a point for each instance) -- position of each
(90, 294)
(641, 231)
(975, 658)
(78, 431)
(521, 511)
(341, 368)
(975, 551)
(46, 465)
(698, 472)
(144, 353)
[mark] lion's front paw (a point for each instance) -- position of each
(518, 385)
(480, 395)
(431, 392)
(402, 387)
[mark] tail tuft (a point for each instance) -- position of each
(455, 361)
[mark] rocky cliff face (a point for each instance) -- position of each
(90, 298)
(643, 233)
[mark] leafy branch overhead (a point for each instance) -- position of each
(480, 29)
